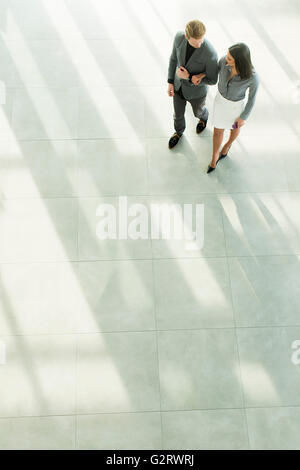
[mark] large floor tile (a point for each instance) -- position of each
(108, 112)
(117, 372)
(263, 23)
(257, 24)
(95, 21)
(125, 431)
(205, 430)
(256, 150)
(43, 433)
(28, 20)
(38, 377)
(252, 165)
(118, 294)
(289, 148)
(266, 290)
(40, 63)
(6, 106)
(199, 370)
(209, 232)
(269, 375)
(29, 120)
(112, 167)
(181, 170)
(274, 428)
(132, 21)
(266, 117)
(261, 224)
(192, 293)
(152, 58)
(38, 230)
(38, 169)
(293, 170)
(92, 247)
(39, 298)
(8, 71)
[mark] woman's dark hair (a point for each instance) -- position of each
(241, 54)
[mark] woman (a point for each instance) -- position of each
(236, 75)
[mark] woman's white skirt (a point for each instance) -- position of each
(226, 112)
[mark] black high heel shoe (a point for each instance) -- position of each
(223, 155)
(210, 168)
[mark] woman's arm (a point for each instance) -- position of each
(253, 87)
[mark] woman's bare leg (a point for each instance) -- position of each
(217, 142)
(232, 136)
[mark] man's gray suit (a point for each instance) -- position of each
(203, 60)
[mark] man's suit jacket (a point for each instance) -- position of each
(204, 60)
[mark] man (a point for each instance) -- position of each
(193, 65)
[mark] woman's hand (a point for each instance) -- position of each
(196, 79)
(182, 73)
(171, 89)
(240, 122)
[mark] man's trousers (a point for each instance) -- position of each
(199, 110)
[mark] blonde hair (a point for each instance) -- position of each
(195, 29)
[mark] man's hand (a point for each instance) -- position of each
(182, 73)
(171, 89)
(240, 122)
(196, 79)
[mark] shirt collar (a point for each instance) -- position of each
(229, 68)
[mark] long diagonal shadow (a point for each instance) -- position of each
(26, 361)
(160, 18)
(153, 50)
(262, 33)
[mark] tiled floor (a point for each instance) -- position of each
(141, 344)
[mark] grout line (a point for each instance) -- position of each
(98, 413)
(147, 168)
(156, 344)
(76, 433)
(157, 358)
(170, 330)
(155, 260)
(178, 196)
(76, 394)
(76, 336)
(236, 336)
(145, 138)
